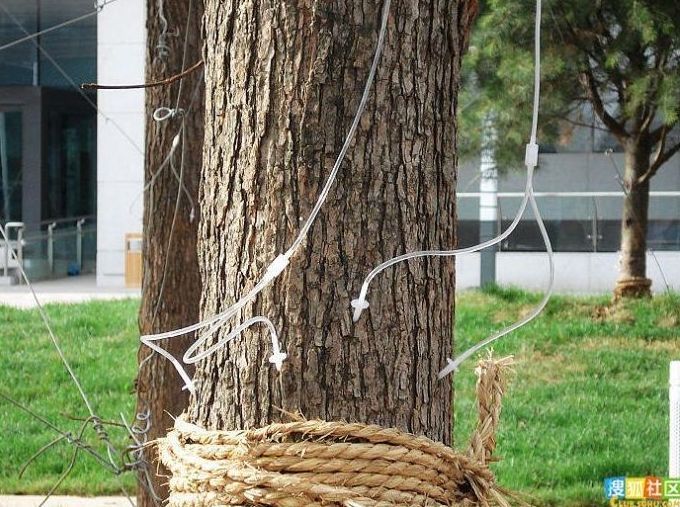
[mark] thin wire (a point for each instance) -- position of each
(96, 421)
(180, 188)
(166, 161)
(175, 214)
(69, 467)
(137, 450)
(184, 51)
(180, 178)
(151, 84)
(67, 436)
(48, 30)
(46, 322)
(39, 453)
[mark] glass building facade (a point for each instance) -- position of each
(47, 124)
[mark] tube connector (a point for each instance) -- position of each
(275, 268)
(451, 367)
(175, 143)
(277, 358)
(359, 306)
(531, 155)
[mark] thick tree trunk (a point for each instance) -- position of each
(283, 80)
(633, 281)
(159, 389)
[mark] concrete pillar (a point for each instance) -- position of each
(488, 203)
(121, 52)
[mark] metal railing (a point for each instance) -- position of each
(54, 248)
(576, 221)
(18, 245)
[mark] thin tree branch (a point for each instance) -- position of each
(162, 82)
(660, 159)
(581, 124)
(588, 81)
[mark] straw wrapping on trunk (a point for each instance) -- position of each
(322, 463)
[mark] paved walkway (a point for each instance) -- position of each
(63, 501)
(74, 289)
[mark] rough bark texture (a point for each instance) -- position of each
(158, 385)
(283, 81)
(633, 279)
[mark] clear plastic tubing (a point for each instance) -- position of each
(531, 160)
(360, 304)
(453, 364)
(281, 262)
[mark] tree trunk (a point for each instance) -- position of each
(633, 281)
(159, 389)
(283, 80)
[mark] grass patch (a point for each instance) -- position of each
(589, 396)
(100, 341)
(588, 400)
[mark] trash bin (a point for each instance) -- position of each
(133, 260)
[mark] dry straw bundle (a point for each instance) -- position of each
(320, 463)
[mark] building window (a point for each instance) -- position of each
(10, 165)
(69, 185)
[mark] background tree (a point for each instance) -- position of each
(283, 80)
(617, 58)
(171, 284)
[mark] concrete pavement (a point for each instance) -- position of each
(73, 289)
(63, 501)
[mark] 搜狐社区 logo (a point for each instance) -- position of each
(642, 491)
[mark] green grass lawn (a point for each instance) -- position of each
(588, 398)
(100, 341)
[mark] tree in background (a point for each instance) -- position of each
(618, 58)
(171, 284)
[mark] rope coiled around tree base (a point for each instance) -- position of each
(322, 463)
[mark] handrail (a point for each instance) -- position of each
(19, 244)
(652, 193)
(74, 219)
(33, 236)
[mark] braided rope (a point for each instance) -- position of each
(322, 463)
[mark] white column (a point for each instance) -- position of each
(121, 50)
(488, 202)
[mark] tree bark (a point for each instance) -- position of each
(283, 80)
(633, 281)
(159, 389)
